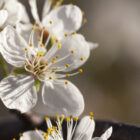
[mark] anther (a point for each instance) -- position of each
(72, 51)
(50, 78)
(80, 70)
(75, 118)
(91, 114)
(65, 34)
(53, 60)
(66, 82)
(59, 46)
(50, 22)
(74, 33)
(67, 65)
(25, 49)
(82, 59)
(67, 75)
(68, 119)
(57, 57)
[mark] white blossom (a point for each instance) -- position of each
(46, 64)
(9, 14)
(82, 131)
(59, 22)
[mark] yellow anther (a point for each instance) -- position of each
(65, 34)
(75, 118)
(82, 59)
(50, 78)
(25, 49)
(59, 46)
(68, 119)
(40, 53)
(53, 60)
(50, 22)
(80, 70)
(57, 57)
(74, 33)
(72, 51)
(30, 45)
(14, 139)
(67, 65)
(66, 82)
(67, 75)
(91, 114)
(42, 45)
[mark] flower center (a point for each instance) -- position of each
(42, 59)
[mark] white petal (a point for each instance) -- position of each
(85, 129)
(14, 15)
(107, 134)
(79, 46)
(24, 29)
(93, 45)
(65, 19)
(32, 135)
(3, 17)
(12, 47)
(46, 8)
(61, 99)
(18, 92)
(33, 5)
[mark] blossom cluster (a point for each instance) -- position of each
(43, 55)
(75, 131)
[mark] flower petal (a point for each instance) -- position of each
(18, 92)
(33, 5)
(93, 45)
(75, 51)
(107, 134)
(12, 47)
(60, 98)
(15, 16)
(3, 17)
(64, 19)
(32, 135)
(46, 8)
(85, 129)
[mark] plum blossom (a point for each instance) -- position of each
(45, 64)
(83, 131)
(9, 14)
(59, 22)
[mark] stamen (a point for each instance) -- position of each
(82, 58)
(50, 22)
(41, 38)
(65, 34)
(66, 82)
(67, 65)
(80, 70)
(59, 45)
(31, 39)
(91, 115)
(72, 51)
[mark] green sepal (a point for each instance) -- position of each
(3, 67)
(37, 84)
(17, 71)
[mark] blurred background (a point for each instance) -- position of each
(111, 80)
